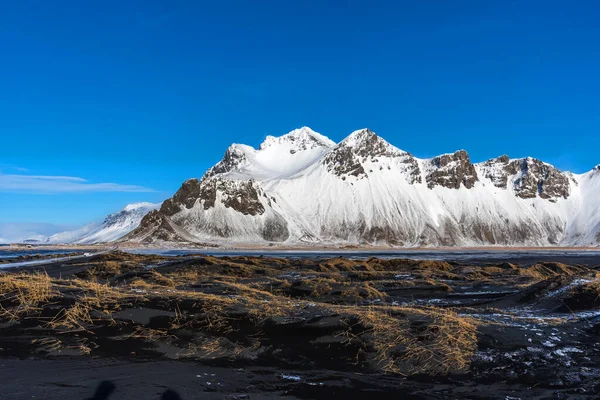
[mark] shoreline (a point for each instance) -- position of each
(274, 249)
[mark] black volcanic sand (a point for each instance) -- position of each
(260, 327)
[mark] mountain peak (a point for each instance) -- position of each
(130, 210)
(113, 227)
(451, 171)
(304, 138)
(366, 191)
(234, 156)
(364, 146)
(366, 143)
(142, 205)
(359, 136)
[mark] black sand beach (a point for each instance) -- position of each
(265, 327)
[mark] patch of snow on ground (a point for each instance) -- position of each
(295, 378)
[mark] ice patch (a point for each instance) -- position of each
(565, 350)
(295, 378)
(575, 283)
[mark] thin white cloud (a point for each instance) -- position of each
(12, 167)
(44, 184)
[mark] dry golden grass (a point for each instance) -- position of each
(446, 343)
(98, 296)
(103, 270)
(401, 340)
(186, 276)
(441, 342)
(219, 347)
(216, 309)
(447, 346)
(584, 297)
(93, 288)
(55, 345)
(363, 290)
(321, 287)
(141, 284)
(246, 290)
(75, 318)
(161, 279)
(23, 293)
(541, 271)
(262, 310)
(151, 335)
(279, 286)
(112, 267)
(153, 280)
(48, 344)
(593, 287)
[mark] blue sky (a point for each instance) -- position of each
(124, 100)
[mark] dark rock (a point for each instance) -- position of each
(275, 230)
(242, 196)
(452, 170)
(347, 158)
(343, 162)
(155, 226)
(185, 196)
(538, 179)
(233, 157)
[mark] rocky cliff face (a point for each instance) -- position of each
(452, 171)
(537, 178)
(157, 227)
(223, 207)
(496, 170)
(234, 156)
(301, 187)
(186, 197)
(240, 196)
(364, 152)
(529, 177)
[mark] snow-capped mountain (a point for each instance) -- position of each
(28, 232)
(302, 187)
(112, 228)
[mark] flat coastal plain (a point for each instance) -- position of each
(307, 327)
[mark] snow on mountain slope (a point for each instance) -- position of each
(73, 236)
(302, 187)
(276, 158)
(113, 227)
(583, 227)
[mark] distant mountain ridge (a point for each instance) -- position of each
(304, 188)
(113, 227)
